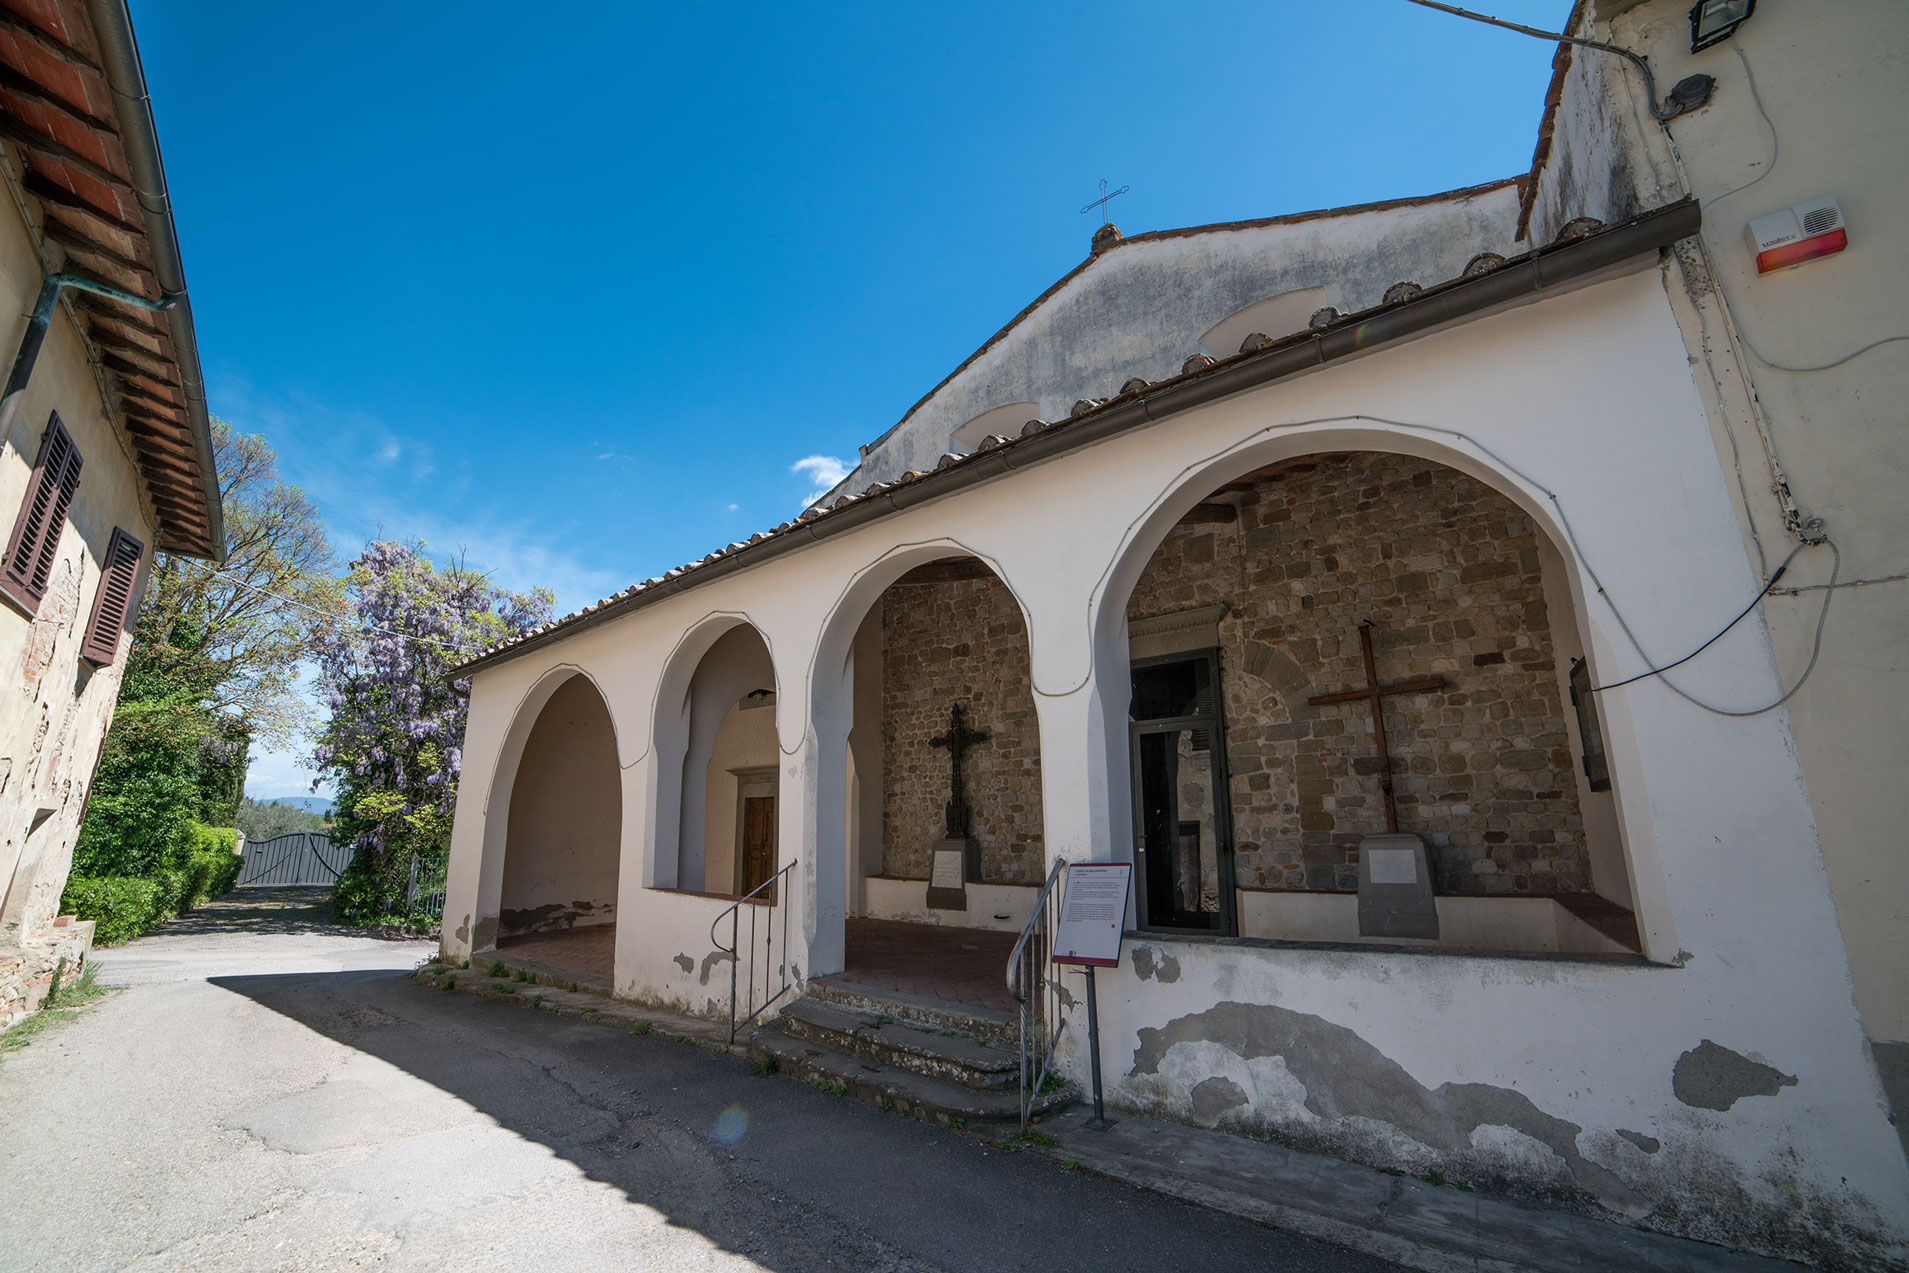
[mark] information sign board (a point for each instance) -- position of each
(1093, 913)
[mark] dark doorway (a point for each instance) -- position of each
(758, 842)
(1184, 838)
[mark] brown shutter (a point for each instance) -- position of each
(112, 608)
(36, 536)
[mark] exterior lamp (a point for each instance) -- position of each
(1713, 21)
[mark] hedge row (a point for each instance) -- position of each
(199, 864)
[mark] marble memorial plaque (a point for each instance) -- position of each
(948, 877)
(1395, 888)
(1392, 866)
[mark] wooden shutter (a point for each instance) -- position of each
(112, 608)
(36, 536)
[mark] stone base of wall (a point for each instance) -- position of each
(26, 975)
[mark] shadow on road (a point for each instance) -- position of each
(814, 1182)
(282, 910)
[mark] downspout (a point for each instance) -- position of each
(132, 107)
(42, 318)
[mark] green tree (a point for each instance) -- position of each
(213, 664)
(261, 820)
(248, 625)
(397, 722)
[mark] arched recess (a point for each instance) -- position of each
(929, 628)
(717, 762)
(1256, 570)
(562, 820)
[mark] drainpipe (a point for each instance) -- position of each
(43, 318)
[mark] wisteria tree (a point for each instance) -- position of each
(392, 744)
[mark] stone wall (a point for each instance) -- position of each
(959, 641)
(27, 974)
(1448, 571)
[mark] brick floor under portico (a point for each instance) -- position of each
(966, 966)
(586, 954)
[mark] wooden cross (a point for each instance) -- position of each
(957, 740)
(1104, 200)
(1374, 692)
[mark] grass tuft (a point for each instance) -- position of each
(1434, 1177)
(642, 1025)
(498, 969)
(765, 1067)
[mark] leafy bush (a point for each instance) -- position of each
(123, 906)
(198, 864)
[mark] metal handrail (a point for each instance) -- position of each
(1025, 965)
(733, 913)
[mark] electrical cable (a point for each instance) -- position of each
(1659, 671)
(1571, 539)
(1663, 118)
(1775, 146)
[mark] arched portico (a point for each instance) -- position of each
(926, 629)
(1242, 592)
(553, 831)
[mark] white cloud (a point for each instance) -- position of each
(823, 470)
(517, 551)
(734, 507)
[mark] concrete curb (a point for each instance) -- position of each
(1438, 1229)
(548, 993)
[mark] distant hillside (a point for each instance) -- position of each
(320, 805)
(263, 819)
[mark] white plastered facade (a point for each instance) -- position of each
(1582, 409)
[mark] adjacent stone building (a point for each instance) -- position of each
(105, 449)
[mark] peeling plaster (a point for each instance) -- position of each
(1711, 1076)
(688, 965)
(1215, 1096)
(1150, 966)
(710, 960)
(1649, 1144)
(1346, 1077)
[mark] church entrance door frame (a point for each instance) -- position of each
(1183, 848)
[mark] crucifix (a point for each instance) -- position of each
(1104, 200)
(958, 740)
(1374, 693)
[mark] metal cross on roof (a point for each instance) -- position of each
(1104, 200)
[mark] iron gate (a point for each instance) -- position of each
(303, 857)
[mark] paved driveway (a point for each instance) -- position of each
(273, 1093)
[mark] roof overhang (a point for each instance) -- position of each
(74, 107)
(1574, 261)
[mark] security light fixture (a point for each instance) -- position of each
(1713, 21)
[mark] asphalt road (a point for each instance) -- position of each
(270, 1093)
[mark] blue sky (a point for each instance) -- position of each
(574, 289)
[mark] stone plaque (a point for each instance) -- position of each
(1395, 887)
(1392, 866)
(948, 877)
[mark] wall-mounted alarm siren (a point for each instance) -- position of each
(1795, 235)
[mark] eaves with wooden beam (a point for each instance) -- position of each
(77, 125)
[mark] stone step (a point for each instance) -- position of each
(948, 1055)
(902, 1091)
(987, 1024)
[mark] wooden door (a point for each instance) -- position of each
(758, 841)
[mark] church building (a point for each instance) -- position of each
(1325, 568)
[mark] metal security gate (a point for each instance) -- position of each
(303, 857)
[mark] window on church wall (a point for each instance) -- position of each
(1448, 573)
(35, 542)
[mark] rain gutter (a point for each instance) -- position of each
(132, 107)
(1519, 280)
